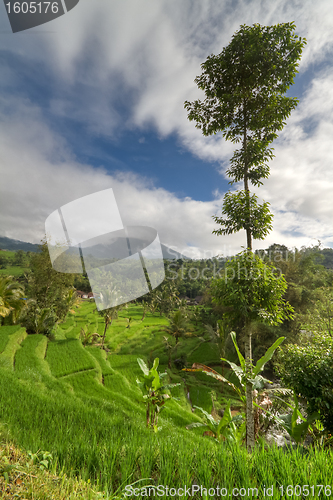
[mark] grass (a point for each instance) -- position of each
(5, 332)
(84, 407)
(21, 476)
(68, 356)
(11, 270)
(31, 355)
(12, 345)
(15, 271)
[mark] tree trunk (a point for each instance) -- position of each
(249, 401)
(105, 328)
(246, 184)
(107, 323)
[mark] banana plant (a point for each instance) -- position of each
(88, 337)
(153, 391)
(297, 431)
(245, 375)
(225, 429)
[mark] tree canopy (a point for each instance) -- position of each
(244, 87)
(252, 290)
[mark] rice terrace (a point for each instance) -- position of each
(216, 382)
(81, 404)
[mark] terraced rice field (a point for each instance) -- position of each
(83, 405)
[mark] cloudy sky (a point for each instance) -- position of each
(95, 99)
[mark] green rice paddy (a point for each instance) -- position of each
(83, 405)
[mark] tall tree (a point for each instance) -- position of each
(245, 86)
(51, 293)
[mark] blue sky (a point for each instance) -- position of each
(95, 99)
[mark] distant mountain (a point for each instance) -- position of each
(10, 244)
(170, 254)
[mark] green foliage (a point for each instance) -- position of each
(248, 373)
(320, 318)
(244, 87)
(297, 431)
(97, 431)
(43, 459)
(87, 337)
(153, 391)
(16, 465)
(205, 353)
(21, 258)
(225, 429)
(52, 293)
(258, 66)
(38, 320)
(308, 370)
(164, 298)
(220, 335)
(6, 259)
(81, 282)
(251, 290)
(244, 212)
(11, 295)
(309, 287)
(199, 393)
(108, 316)
(30, 358)
(178, 325)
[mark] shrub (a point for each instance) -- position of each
(308, 370)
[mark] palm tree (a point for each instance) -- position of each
(165, 298)
(11, 295)
(178, 325)
(110, 313)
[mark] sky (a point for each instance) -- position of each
(95, 100)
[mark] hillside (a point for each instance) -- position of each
(81, 408)
(87, 405)
(14, 245)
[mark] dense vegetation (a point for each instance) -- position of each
(89, 409)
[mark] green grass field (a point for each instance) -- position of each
(10, 269)
(15, 271)
(84, 407)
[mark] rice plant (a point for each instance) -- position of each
(31, 355)
(84, 408)
(68, 356)
(12, 345)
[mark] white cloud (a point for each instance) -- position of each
(145, 55)
(39, 174)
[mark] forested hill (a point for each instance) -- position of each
(10, 244)
(326, 254)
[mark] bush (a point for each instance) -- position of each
(308, 370)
